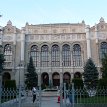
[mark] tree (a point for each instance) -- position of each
(104, 67)
(31, 76)
(90, 74)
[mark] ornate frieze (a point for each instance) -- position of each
(56, 37)
(8, 38)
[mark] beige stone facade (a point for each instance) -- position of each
(59, 50)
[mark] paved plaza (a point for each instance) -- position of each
(50, 102)
(27, 102)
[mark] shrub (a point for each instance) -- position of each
(10, 84)
(102, 83)
(78, 83)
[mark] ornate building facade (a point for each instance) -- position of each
(59, 51)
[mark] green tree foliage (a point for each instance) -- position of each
(90, 74)
(104, 66)
(78, 83)
(1, 62)
(31, 76)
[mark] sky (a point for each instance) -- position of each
(52, 11)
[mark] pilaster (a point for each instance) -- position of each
(22, 44)
(87, 29)
(39, 77)
(50, 78)
(96, 33)
(61, 77)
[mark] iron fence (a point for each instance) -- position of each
(86, 98)
(10, 98)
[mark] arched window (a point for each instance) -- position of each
(8, 55)
(34, 53)
(76, 55)
(55, 56)
(45, 56)
(66, 55)
(103, 49)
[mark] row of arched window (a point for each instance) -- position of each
(57, 57)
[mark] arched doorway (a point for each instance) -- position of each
(66, 77)
(77, 75)
(56, 79)
(45, 78)
(6, 76)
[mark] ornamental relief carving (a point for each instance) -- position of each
(7, 38)
(56, 37)
(102, 35)
(36, 37)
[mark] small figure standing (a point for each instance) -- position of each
(34, 94)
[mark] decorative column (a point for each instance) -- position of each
(61, 67)
(22, 44)
(97, 50)
(87, 29)
(39, 78)
(61, 77)
(96, 33)
(14, 52)
(50, 78)
(22, 57)
(72, 76)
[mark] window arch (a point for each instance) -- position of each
(66, 55)
(44, 56)
(8, 55)
(103, 49)
(34, 53)
(55, 56)
(76, 55)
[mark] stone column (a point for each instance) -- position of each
(39, 78)
(14, 52)
(50, 78)
(19, 76)
(22, 44)
(22, 76)
(72, 76)
(61, 77)
(87, 29)
(96, 33)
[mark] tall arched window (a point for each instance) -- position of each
(8, 55)
(34, 52)
(66, 55)
(76, 55)
(45, 56)
(55, 56)
(103, 49)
